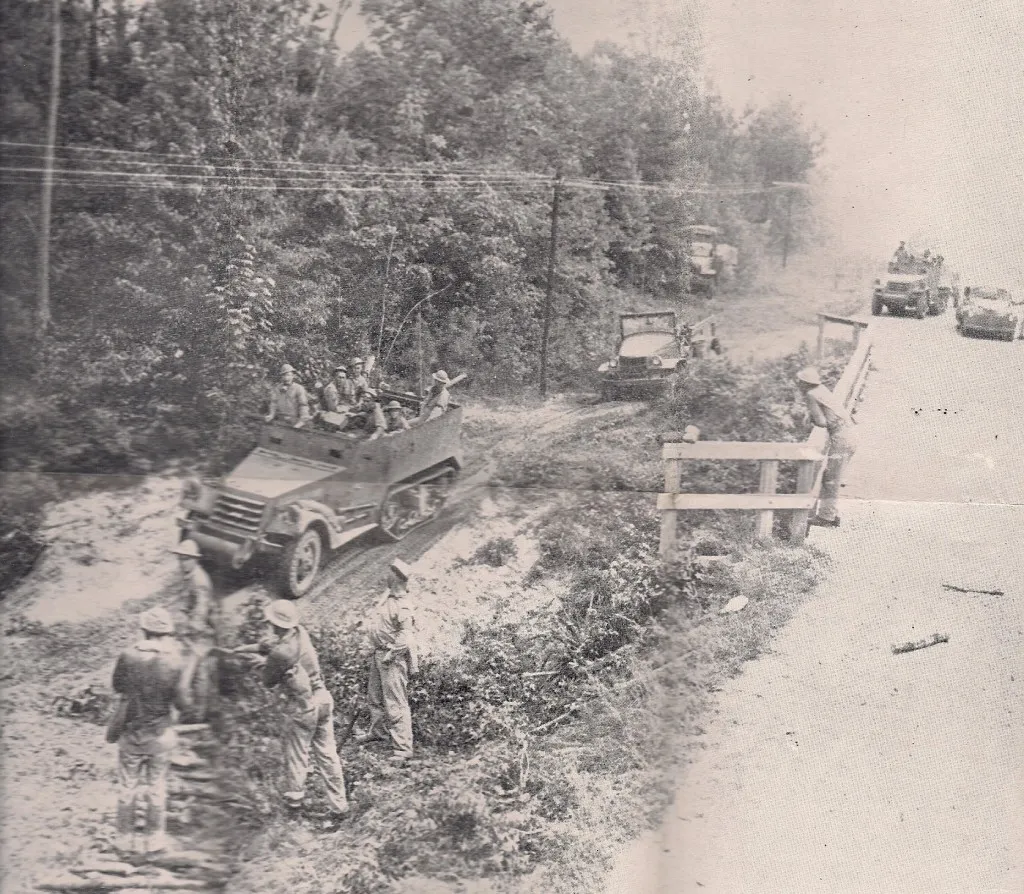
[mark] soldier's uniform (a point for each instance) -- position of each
(289, 403)
(151, 678)
(396, 422)
(340, 393)
(293, 665)
(198, 627)
(437, 401)
(392, 639)
(827, 411)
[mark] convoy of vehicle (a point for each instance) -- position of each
(653, 347)
(301, 493)
(304, 492)
(990, 311)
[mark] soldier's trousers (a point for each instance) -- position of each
(312, 732)
(841, 447)
(143, 762)
(389, 701)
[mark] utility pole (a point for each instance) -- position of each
(43, 302)
(419, 335)
(785, 235)
(549, 291)
(790, 188)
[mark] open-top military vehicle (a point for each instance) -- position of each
(302, 492)
(652, 349)
(712, 262)
(911, 286)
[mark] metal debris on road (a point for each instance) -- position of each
(968, 590)
(932, 640)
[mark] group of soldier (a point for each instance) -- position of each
(170, 675)
(904, 260)
(350, 404)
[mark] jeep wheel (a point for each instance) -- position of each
(876, 307)
(301, 563)
(921, 307)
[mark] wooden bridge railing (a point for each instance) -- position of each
(810, 455)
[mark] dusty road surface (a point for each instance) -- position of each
(834, 765)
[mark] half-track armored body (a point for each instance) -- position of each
(301, 493)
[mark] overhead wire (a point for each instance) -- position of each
(330, 175)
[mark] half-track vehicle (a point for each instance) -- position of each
(989, 311)
(652, 348)
(301, 493)
(911, 286)
(712, 262)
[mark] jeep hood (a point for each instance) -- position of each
(268, 474)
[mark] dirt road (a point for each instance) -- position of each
(834, 765)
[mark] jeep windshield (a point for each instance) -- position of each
(634, 325)
(991, 295)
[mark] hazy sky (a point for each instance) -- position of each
(922, 104)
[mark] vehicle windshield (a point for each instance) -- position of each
(665, 322)
(986, 294)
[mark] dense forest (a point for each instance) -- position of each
(232, 192)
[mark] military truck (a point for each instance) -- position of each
(712, 262)
(652, 348)
(303, 492)
(912, 286)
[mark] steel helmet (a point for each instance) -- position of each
(442, 377)
(287, 368)
(401, 569)
(394, 405)
(188, 548)
(157, 620)
(282, 613)
(809, 376)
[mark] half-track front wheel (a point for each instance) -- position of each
(301, 563)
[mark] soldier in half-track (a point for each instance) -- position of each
(304, 491)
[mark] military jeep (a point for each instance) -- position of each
(652, 349)
(302, 492)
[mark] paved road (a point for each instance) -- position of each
(833, 765)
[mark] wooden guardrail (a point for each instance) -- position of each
(858, 327)
(810, 455)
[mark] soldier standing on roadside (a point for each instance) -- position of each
(394, 658)
(827, 411)
(289, 401)
(292, 663)
(198, 627)
(153, 678)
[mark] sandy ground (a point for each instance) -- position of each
(834, 765)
